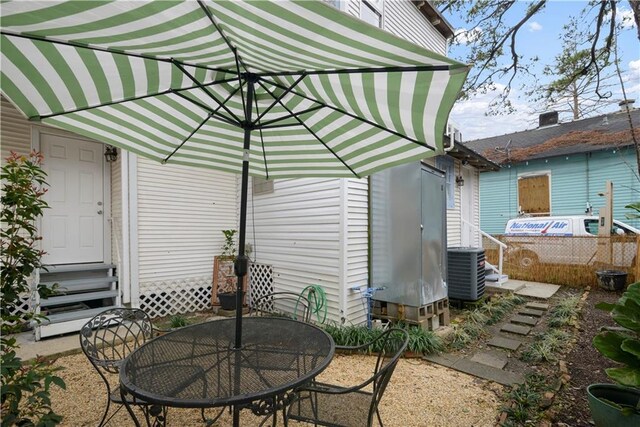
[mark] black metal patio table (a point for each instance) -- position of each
(197, 366)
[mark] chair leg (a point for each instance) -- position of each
(106, 411)
(210, 421)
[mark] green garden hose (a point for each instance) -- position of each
(317, 301)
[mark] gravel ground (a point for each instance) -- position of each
(419, 394)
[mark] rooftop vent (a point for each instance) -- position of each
(626, 104)
(548, 119)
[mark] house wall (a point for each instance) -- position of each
(297, 229)
(575, 180)
(403, 19)
(181, 212)
(15, 130)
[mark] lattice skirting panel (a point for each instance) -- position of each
(24, 308)
(176, 296)
(171, 297)
(260, 281)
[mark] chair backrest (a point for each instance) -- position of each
(389, 345)
(286, 304)
(112, 335)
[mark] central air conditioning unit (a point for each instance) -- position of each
(466, 273)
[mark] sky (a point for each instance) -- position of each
(542, 37)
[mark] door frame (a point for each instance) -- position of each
(36, 137)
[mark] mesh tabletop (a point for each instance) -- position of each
(196, 366)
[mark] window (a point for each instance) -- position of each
(445, 164)
(371, 12)
(534, 195)
(591, 225)
(338, 4)
(261, 185)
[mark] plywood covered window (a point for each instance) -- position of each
(534, 195)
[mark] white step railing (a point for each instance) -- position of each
(502, 246)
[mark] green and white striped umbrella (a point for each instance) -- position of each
(273, 89)
(170, 80)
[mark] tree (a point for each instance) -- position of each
(493, 48)
(580, 96)
(492, 40)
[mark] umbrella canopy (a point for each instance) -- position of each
(273, 89)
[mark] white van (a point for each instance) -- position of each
(572, 240)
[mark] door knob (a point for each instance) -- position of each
(99, 203)
(100, 212)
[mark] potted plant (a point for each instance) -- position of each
(225, 280)
(619, 404)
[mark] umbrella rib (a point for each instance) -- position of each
(275, 101)
(311, 132)
(111, 50)
(392, 69)
(133, 98)
(264, 152)
(222, 34)
(308, 110)
(214, 113)
(166, 159)
(205, 90)
(362, 119)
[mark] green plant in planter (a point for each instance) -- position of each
(623, 346)
(229, 246)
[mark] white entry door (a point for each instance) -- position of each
(73, 227)
(466, 208)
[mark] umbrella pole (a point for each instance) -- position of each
(241, 264)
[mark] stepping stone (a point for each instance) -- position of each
(488, 373)
(515, 329)
(447, 360)
(504, 343)
(531, 312)
(489, 360)
(524, 320)
(537, 306)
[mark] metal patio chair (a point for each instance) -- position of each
(335, 405)
(285, 304)
(107, 339)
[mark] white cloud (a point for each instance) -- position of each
(464, 36)
(625, 17)
(634, 66)
(474, 124)
(534, 26)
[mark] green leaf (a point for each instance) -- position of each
(628, 314)
(609, 344)
(605, 306)
(625, 376)
(632, 346)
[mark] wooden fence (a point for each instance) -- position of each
(566, 260)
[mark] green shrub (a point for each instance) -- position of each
(178, 321)
(25, 395)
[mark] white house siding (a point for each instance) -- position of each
(15, 130)
(403, 19)
(357, 246)
(297, 231)
(181, 212)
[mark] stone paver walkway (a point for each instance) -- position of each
(493, 361)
